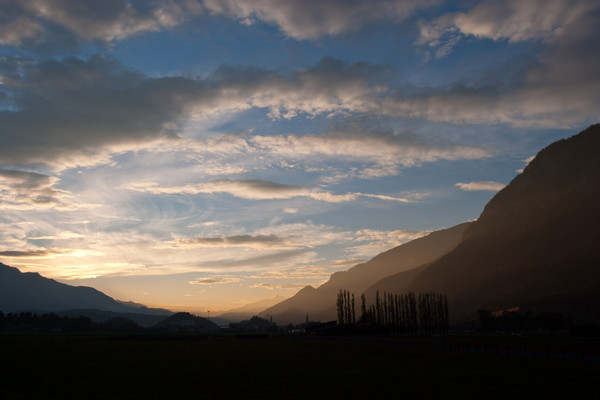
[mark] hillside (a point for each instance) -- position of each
(249, 310)
(186, 322)
(537, 242)
(32, 292)
(319, 303)
(396, 283)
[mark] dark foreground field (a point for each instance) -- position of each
(194, 367)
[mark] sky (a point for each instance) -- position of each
(205, 154)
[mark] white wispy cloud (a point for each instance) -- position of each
(370, 242)
(389, 152)
(273, 286)
(263, 190)
(64, 235)
(302, 272)
(480, 186)
(247, 189)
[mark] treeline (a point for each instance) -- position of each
(28, 321)
(522, 321)
(44, 322)
(426, 313)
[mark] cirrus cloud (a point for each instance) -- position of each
(248, 241)
(480, 186)
(253, 189)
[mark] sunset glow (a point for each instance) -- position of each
(202, 155)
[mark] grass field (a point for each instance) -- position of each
(195, 367)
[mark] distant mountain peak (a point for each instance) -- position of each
(319, 303)
(26, 291)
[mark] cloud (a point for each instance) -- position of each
(249, 241)
(401, 236)
(66, 235)
(353, 150)
(312, 19)
(35, 21)
(285, 257)
(251, 189)
(68, 111)
(330, 86)
(526, 161)
(373, 241)
(217, 280)
(23, 190)
(262, 190)
(76, 112)
(83, 112)
(15, 31)
(30, 253)
(558, 87)
(271, 286)
(42, 21)
(481, 186)
(303, 272)
(387, 150)
(304, 275)
(513, 20)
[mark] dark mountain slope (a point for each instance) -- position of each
(537, 242)
(396, 283)
(31, 291)
(319, 303)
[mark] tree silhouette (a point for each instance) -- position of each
(406, 313)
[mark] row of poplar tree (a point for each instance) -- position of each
(401, 313)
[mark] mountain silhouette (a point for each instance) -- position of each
(186, 322)
(249, 310)
(536, 244)
(320, 303)
(32, 292)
